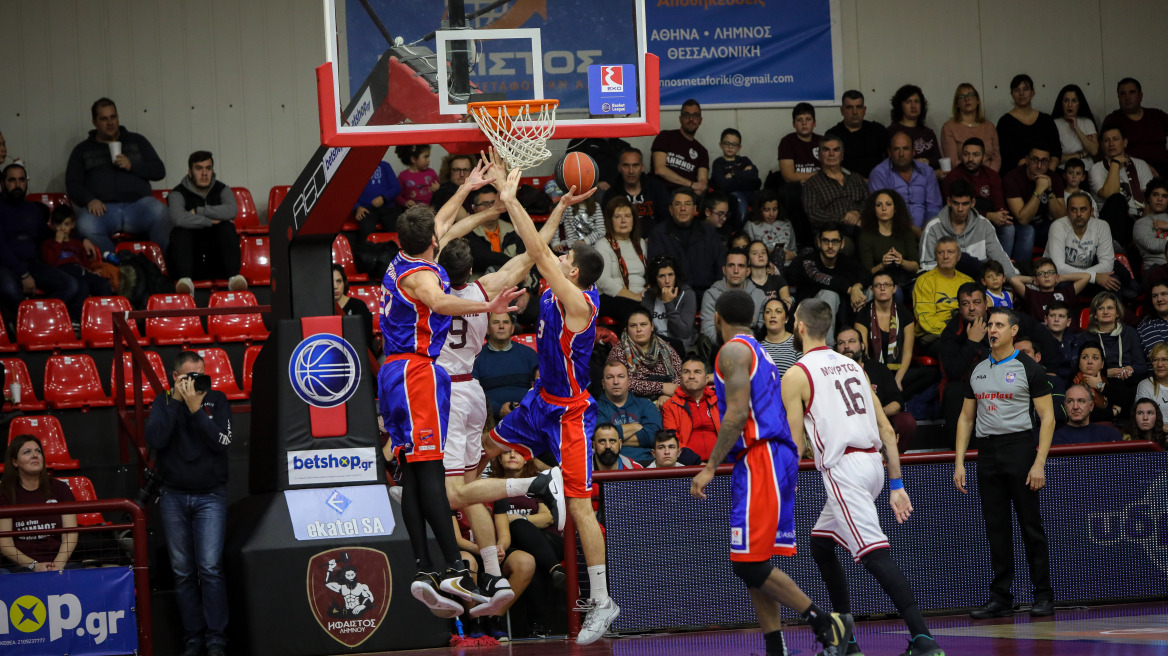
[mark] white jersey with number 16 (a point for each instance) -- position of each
(466, 333)
(840, 414)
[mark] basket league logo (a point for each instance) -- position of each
(348, 591)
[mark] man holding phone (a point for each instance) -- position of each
(189, 429)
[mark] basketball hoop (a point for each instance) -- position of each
(518, 129)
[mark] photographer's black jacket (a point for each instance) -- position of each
(191, 447)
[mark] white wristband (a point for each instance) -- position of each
(1092, 280)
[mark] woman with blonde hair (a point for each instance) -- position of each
(1155, 387)
(967, 119)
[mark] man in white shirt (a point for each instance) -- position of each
(1119, 180)
(1080, 243)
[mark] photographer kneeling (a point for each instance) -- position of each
(190, 430)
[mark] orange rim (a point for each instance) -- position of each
(513, 107)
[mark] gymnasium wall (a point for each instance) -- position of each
(237, 78)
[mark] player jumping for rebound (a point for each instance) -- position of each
(846, 428)
(762, 514)
(414, 392)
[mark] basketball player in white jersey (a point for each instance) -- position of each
(828, 396)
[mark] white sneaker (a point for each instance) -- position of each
(185, 286)
(395, 493)
(237, 283)
(425, 589)
(549, 488)
(600, 615)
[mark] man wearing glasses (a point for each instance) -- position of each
(838, 281)
(495, 242)
(678, 159)
(693, 244)
(1034, 198)
(1048, 286)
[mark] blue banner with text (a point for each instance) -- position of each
(74, 611)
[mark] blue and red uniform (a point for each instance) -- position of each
(413, 391)
(558, 414)
(762, 510)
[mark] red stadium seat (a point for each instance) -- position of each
(152, 251)
(6, 345)
(256, 260)
(343, 255)
(235, 327)
(161, 195)
(82, 489)
(48, 430)
(381, 237)
(1084, 318)
(15, 371)
(526, 340)
(71, 381)
(218, 367)
(275, 197)
(97, 325)
(174, 330)
(43, 324)
(148, 393)
(249, 358)
(49, 200)
(247, 219)
(371, 295)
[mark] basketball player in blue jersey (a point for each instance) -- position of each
(414, 393)
(831, 401)
(755, 432)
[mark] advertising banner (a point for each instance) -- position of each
(325, 513)
(75, 611)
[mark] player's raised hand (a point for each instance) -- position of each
(571, 198)
(901, 505)
(959, 478)
(698, 487)
(502, 303)
(510, 187)
(495, 163)
(479, 177)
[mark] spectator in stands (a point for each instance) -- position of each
(1147, 127)
(692, 412)
(777, 341)
(694, 245)
(1108, 399)
(799, 150)
(637, 418)
(715, 211)
(834, 194)
(1155, 386)
(886, 237)
(418, 181)
(1075, 174)
(909, 109)
(865, 142)
(1058, 381)
(764, 275)
(1048, 285)
(679, 160)
(606, 152)
(1035, 198)
(204, 243)
(1080, 243)
(1123, 353)
(1147, 423)
(190, 432)
(935, 291)
(69, 254)
(26, 482)
(1150, 232)
(1078, 134)
(914, 181)
(644, 191)
(353, 307)
(993, 281)
(671, 303)
(494, 242)
(454, 171)
(1153, 329)
(1079, 429)
(623, 282)
(961, 346)
(376, 209)
(606, 450)
(767, 225)
(735, 175)
(887, 332)
(1156, 274)
(1058, 321)
(735, 275)
(584, 221)
(1024, 128)
(988, 196)
(975, 235)
(1118, 180)
(666, 450)
(23, 227)
(111, 192)
(839, 282)
(967, 121)
(504, 368)
(653, 367)
(884, 386)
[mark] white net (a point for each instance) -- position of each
(520, 138)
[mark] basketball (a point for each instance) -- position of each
(576, 170)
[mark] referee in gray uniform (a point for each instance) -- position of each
(1010, 468)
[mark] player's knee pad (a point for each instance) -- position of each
(755, 574)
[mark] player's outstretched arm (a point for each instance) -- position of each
(964, 430)
(425, 287)
(733, 364)
(796, 392)
(479, 177)
(464, 226)
(515, 270)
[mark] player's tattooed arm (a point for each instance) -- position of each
(733, 364)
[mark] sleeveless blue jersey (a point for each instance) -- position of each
(408, 325)
(564, 355)
(768, 417)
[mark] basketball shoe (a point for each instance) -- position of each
(499, 591)
(548, 487)
(596, 622)
(923, 645)
(460, 583)
(425, 589)
(837, 635)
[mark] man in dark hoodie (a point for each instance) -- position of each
(108, 180)
(694, 245)
(203, 243)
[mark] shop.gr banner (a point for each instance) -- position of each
(75, 611)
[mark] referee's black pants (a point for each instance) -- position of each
(1002, 465)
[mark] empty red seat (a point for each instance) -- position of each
(43, 324)
(381, 237)
(161, 195)
(218, 367)
(151, 250)
(276, 196)
(343, 255)
(249, 358)
(247, 218)
(71, 381)
(15, 371)
(6, 345)
(48, 430)
(174, 330)
(49, 200)
(148, 392)
(255, 260)
(526, 340)
(97, 324)
(371, 295)
(235, 327)
(82, 489)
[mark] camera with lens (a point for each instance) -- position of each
(150, 488)
(202, 382)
